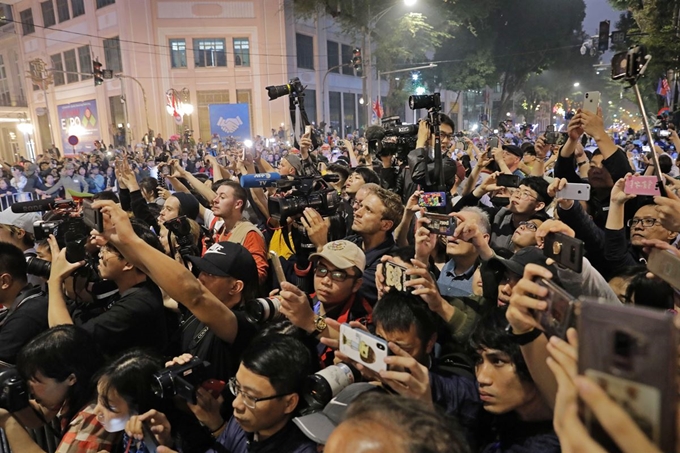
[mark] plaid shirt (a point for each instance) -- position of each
(84, 434)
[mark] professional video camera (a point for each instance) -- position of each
(180, 380)
(13, 391)
(293, 86)
(181, 228)
(307, 192)
(392, 138)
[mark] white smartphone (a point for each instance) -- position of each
(591, 101)
(364, 348)
(574, 191)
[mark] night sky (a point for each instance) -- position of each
(596, 11)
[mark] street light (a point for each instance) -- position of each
(577, 84)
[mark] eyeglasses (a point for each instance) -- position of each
(647, 222)
(109, 252)
(522, 194)
(335, 275)
(449, 136)
(528, 225)
(249, 401)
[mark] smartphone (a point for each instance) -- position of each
(395, 276)
(214, 386)
(664, 133)
(493, 142)
(591, 101)
(364, 348)
(559, 316)
(507, 180)
(340, 143)
(564, 250)
(631, 352)
(666, 266)
(92, 217)
(574, 191)
(642, 185)
(308, 130)
(276, 264)
(432, 199)
(646, 148)
(165, 170)
(441, 224)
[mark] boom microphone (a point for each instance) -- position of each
(258, 180)
(35, 205)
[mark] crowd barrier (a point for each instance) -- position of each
(9, 199)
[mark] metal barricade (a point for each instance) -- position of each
(9, 199)
(44, 437)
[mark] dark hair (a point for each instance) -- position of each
(149, 185)
(445, 119)
(628, 272)
(490, 333)
(398, 311)
(13, 262)
(418, 427)
(367, 174)
(665, 163)
(540, 185)
(106, 195)
(282, 359)
(130, 376)
(647, 292)
(58, 353)
(239, 192)
(341, 170)
(143, 230)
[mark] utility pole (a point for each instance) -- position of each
(42, 78)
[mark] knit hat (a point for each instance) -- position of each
(188, 205)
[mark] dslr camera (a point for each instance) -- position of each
(13, 391)
(180, 380)
(293, 86)
(263, 310)
(181, 228)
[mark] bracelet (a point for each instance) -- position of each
(218, 430)
(526, 337)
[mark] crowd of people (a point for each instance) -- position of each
(161, 303)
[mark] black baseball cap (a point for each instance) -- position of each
(227, 259)
(519, 260)
(512, 149)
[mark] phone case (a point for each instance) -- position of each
(441, 224)
(364, 348)
(591, 101)
(642, 185)
(631, 353)
(558, 317)
(508, 180)
(432, 199)
(214, 386)
(666, 266)
(565, 250)
(395, 276)
(574, 191)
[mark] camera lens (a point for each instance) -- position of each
(322, 386)
(36, 266)
(163, 385)
(263, 310)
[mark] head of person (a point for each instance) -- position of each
(620, 281)
(648, 292)
(124, 389)
(597, 159)
(17, 229)
(447, 128)
(185, 155)
(457, 248)
(13, 275)
(530, 197)
(17, 171)
(342, 173)
(269, 382)
(291, 165)
(94, 169)
(231, 199)
(504, 381)
(362, 193)
(228, 271)
(529, 156)
(380, 422)
(49, 179)
(338, 272)
(665, 163)
(508, 271)
(149, 188)
(525, 233)
(69, 169)
(82, 170)
(512, 156)
(406, 320)
(359, 177)
(378, 213)
(59, 365)
(113, 265)
(179, 204)
(646, 225)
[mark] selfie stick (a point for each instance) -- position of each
(641, 105)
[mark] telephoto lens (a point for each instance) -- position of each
(323, 386)
(425, 101)
(39, 268)
(263, 310)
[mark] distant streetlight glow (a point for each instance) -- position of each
(577, 84)
(248, 143)
(361, 100)
(414, 77)
(410, 2)
(420, 91)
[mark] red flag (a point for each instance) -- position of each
(377, 108)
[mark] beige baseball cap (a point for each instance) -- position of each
(343, 255)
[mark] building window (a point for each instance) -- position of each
(47, 13)
(85, 60)
(333, 55)
(335, 110)
(178, 53)
(209, 53)
(71, 64)
(112, 56)
(5, 98)
(103, 3)
(58, 70)
(349, 108)
(27, 26)
(347, 59)
(62, 10)
(305, 51)
(310, 105)
(78, 7)
(241, 52)
(5, 14)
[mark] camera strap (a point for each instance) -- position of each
(24, 296)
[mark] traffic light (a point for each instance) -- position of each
(603, 37)
(356, 60)
(97, 73)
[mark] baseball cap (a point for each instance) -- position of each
(24, 220)
(319, 425)
(512, 149)
(519, 260)
(227, 259)
(294, 162)
(342, 254)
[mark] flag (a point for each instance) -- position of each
(666, 90)
(659, 88)
(377, 108)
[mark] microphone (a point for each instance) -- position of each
(257, 180)
(35, 205)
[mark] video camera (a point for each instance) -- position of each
(392, 137)
(180, 380)
(293, 86)
(307, 192)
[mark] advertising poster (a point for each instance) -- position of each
(230, 120)
(82, 120)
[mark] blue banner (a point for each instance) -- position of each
(230, 120)
(79, 119)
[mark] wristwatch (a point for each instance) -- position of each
(319, 324)
(579, 164)
(526, 337)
